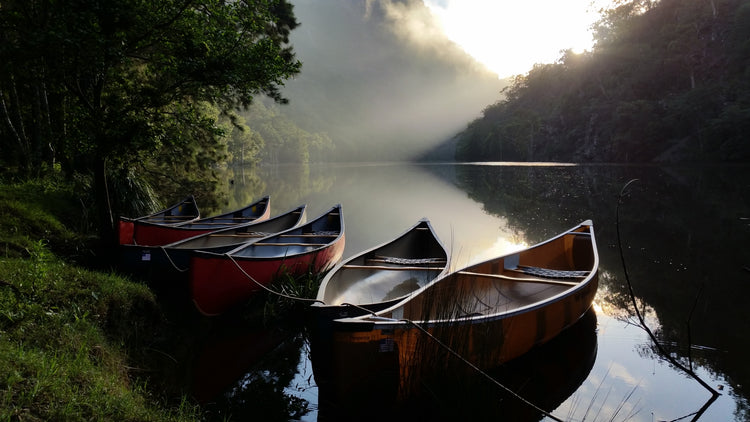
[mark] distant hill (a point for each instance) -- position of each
(381, 80)
(667, 81)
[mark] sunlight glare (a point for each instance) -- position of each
(510, 37)
(503, 245)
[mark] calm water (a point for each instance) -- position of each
(684, 234)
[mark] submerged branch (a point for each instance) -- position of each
(659, 347)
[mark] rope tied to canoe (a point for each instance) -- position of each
(480, 371)
(169, 258)
(182, 270)
(269, 290)
(361, 308)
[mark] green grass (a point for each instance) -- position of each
(72, 340)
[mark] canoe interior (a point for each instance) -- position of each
(376, 286)
(246, 233)
(388, 272)
(469, 293)
(258, 210)
(314, 235)
(179, 213)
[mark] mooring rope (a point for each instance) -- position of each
(269, 290)
(481, 372)
(361, 308)
(169, 258)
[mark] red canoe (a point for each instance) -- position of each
(179, 213)
(220, 281)
(146, 233)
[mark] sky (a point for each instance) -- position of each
(509, 37)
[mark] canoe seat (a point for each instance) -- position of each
(548, 273)
(407, 261)
(326, 233)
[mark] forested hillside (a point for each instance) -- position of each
(666, 81)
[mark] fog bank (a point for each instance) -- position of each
(381, 78)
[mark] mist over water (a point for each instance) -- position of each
(382, 80)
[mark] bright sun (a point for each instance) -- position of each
(509, 37)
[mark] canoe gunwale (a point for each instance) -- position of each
(163, 213)
(376, 322)
(230, 215)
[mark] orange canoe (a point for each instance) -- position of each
(487, 313)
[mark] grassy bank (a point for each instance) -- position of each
(74, 343)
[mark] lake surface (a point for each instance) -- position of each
(684, 233)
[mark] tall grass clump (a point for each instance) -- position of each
(291, 296)
(72, 340)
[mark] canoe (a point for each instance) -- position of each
(155, 234)
(383, 275)
(181, 212)
(220, 281)
(171, 260)
(488, 313)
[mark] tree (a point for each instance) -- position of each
(102, 85)
(665, 81)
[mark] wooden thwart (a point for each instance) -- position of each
(521, 279)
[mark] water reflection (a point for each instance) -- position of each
(683, 232)
(259, 370)
(546, 376)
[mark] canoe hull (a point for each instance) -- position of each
(480, 313)
(155, 233)
(486, 344)
(219, 282)
(172, 261)
(546, 376)
(182, 212)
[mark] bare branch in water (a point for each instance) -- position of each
(659, 347)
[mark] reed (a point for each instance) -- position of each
(429, 360)
(289, 296)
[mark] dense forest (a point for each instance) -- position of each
(127, 97)
(666, 81)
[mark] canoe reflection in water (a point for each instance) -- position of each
(546, 376)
